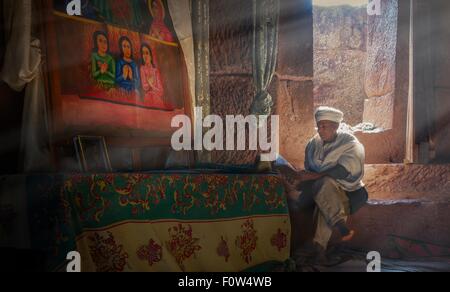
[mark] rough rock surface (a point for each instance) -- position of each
(383, 147)
(232, 95)
(231, 36)
(408, 182)
(296, 42)
(339, 80)
(293, 85)
(340, 35)
(380, 111)
(232, 89)
(295, 107)
(380, 74)
(381, 51)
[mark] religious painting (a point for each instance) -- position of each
(144, 16)
(158, 28)
(132, 77)
(119, 65)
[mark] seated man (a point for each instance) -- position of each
(332, 181)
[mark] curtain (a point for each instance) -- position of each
(265, 52)
(22, 70)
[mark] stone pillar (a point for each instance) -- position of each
(381, 66)
(340, 36)
(232, 86)
(294, 79)
(200, 25)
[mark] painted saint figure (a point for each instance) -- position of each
(127, 74)
(152, 85)
(103, 66)
(158, 28)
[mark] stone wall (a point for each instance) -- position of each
(294, 82)
(340, 36)
(232, 89)
(387, 83)
(425, 183)
(381, 66)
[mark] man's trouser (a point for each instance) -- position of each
(331, 206)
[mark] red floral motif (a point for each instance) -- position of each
(261, 187)
(220, 192)
(172, 179)
(247, 241)
(90, 205)
(151, 252)
(272, 199)
(223, 250)
(212, 198)
(250, 194)
(141, 199)
(182, 245)
(184, 200)
(217, 180)
(279, 240)
(107, 255)
(130, 181)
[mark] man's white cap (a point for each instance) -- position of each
(325, 113)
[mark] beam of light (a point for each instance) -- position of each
(339, 2)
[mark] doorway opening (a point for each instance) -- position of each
(354, 63)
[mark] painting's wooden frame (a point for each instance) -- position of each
(59, 133)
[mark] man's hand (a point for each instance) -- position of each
(295, 177)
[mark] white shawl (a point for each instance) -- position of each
(346, 151)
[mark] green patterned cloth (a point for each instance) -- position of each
(62, 207)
